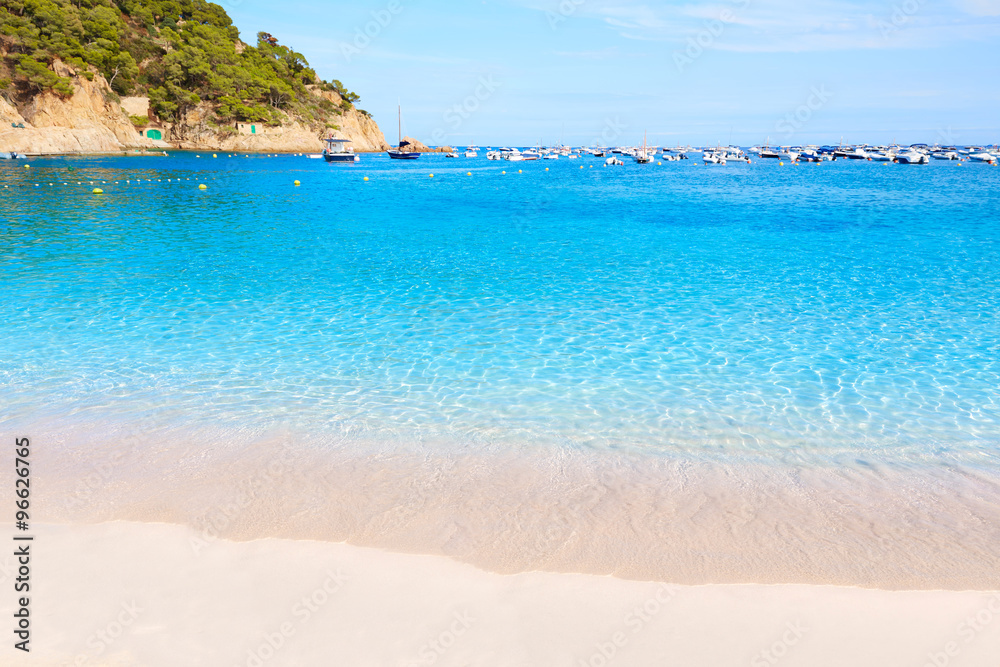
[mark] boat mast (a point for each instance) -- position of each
(399, 109)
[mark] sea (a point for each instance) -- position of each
(760, 372)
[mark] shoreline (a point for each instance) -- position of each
(130, 593)
(516, 509)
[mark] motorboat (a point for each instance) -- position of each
(945, 155)
(912, 157)
(815, 155)
(788, 154)
(452, 154)
(337, 150)
(613, 161)
(982, 157)
(734, 154)
(767, 153)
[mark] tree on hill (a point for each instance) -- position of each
(180, 53)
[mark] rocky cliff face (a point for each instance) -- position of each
(197, 131)
(92, 120)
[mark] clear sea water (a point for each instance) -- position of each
(842, 315)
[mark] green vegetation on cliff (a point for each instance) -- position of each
(178, 52)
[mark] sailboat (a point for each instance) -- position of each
(400, 153)
(643, 156)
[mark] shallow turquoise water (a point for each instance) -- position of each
(843, 311)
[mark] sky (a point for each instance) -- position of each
(608, 72)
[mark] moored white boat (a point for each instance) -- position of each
(882, 156)
(337, 150)
(788, 154)
(982, 157)
(912, 157)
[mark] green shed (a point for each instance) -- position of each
(154, 134)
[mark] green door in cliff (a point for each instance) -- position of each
(154, 134)
(253, 129)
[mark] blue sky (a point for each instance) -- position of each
(495, 72)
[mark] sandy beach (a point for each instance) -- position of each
(156, 594)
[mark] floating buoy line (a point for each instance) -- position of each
(99, 186)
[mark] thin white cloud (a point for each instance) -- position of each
(790, 25)
(980, 7)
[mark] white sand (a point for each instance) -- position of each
(152, 594)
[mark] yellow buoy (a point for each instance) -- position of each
(519, 171)
(298, 183)
(98, 191)
(27, 166)
(203, 187)
(366, 178)
(214, 155)
(546, 169)
(432, 175)
(658, 163)
(468, 173)
(504, 173)
(781, 164)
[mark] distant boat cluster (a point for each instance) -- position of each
(914, 154)
(337, 151)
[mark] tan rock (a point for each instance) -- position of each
(90, 121)
(136, 106)
(196, 132)
(60, 140)
(418, 147)
(9, 114)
